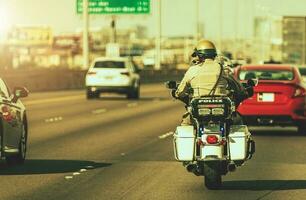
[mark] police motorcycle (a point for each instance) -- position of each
(213, 145)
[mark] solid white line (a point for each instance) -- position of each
(165, 135)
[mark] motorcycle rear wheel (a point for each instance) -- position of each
(212, 176)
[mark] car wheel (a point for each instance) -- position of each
(92, 95)
(302, 128)
(19, 158)
(133, 94)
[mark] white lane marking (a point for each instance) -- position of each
(89, 167)
(165, 135)
(76, 173)
(68, 177)
(83, 170)
(130, 105)
(54, 119)
(98, 111)
(53, 100)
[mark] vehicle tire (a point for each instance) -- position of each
(212, 176)
(133, 94)
(302, 128)
(92, 95)
(19, 158)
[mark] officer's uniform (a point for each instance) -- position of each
(201, 78)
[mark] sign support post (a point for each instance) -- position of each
(85, 35)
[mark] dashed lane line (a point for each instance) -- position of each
(165, 135)
(130, 105)
(68, 177)
(54, 119)
(98, 111)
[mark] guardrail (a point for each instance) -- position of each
(65, 79)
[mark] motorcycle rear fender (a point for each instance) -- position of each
(212, 152)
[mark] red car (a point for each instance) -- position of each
(279, 98)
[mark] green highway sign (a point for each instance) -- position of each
(115, 6)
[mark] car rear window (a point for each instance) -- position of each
(109, 64)
(266, 75)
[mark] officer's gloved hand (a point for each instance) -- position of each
(173, 94)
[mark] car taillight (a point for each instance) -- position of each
(6, 114)
(212, 139)
(125, 73)
(91, 73)
(299, 92)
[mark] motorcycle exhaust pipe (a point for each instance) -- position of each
(231, 167)
(193, 168)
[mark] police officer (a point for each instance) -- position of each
(207, 77)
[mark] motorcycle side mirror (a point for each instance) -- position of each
(171, 85)
(252, 82)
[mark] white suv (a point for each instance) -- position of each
(117, 75)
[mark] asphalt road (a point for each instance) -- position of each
(113, 148)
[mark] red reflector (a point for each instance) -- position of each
(6, 114)
(299, 92)
(212, 139)
(200, 142)
(91, 73)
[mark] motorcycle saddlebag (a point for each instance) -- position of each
(184, 143)
(238, 142)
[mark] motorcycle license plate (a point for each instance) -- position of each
(266, 97)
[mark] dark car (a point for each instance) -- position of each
(13, 124)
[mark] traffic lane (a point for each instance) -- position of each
(108, 135)
(85, 121)
(149, 172)
(58, 104)
(282, 145)
(72, 151)
(57, 96)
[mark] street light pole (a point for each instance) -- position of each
(236, 27)
(158, 37)
(197, 34)
(85, 35)
(221, 25)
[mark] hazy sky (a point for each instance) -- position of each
(226, 17)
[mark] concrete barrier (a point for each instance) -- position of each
(65, 79)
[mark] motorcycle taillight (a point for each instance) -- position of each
(212, 139)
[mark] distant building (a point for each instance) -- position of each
(30, 36)
(267, 38)
(294, 39)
